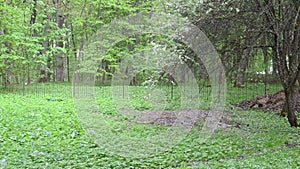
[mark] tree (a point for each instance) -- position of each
(60, 59)
(244, 26)
(283, 27)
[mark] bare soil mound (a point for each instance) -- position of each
(273, 102)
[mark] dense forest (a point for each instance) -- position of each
(43, 40)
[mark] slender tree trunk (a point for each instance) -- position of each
(68, 46)
(266, 62)
(6, 77)
(240, 77)
(33, 17)
(102, 72)
(2, 72)
(74, 45)
(68, 68)
(34, 33)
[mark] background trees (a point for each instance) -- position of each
(42, 40)
(249, 29)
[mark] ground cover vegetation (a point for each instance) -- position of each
(43, 131)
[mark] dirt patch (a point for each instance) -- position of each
(273, 102)
(187, 118)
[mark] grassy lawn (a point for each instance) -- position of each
(42, 130)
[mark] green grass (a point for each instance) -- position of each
(36, 132)
(136, 95)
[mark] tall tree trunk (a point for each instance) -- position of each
(101, 72)
(68, 68)
(1, 70)
(240, 77)
(33, 17)
(6, 76)
(34, 32)
(43, 69)
(60, 59)
(266, 62)
(68, 47)
(43, 77)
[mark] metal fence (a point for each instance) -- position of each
(250, 89)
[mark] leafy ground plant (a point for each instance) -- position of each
(36, 132)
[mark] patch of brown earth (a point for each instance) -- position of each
(273, 102)
(187, 118)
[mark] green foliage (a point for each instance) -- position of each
(21, 49)
(38, 133)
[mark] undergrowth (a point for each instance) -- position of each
(38, 132)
